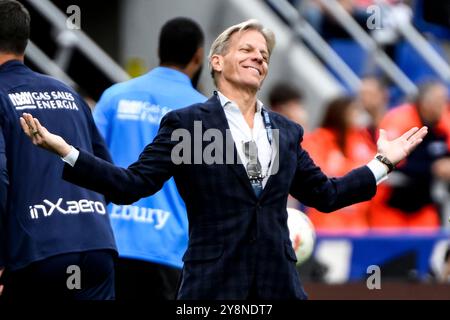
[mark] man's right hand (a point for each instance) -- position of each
(41, 137)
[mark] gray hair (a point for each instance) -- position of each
(221, 44)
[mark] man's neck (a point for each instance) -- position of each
(245, 99)
(186, 71)
(5, 57)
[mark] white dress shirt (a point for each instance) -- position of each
(241, 132)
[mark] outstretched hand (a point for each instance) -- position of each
(398, 149)
(41, 137)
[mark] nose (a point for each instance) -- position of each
(258, 57)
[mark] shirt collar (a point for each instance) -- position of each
(11, 64)
(224, 101)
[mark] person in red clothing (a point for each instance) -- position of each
(336, 147)
(405, 200)
(373, 96)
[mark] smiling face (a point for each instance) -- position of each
(245, 64)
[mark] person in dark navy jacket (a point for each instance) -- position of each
(56, 241)
(234, 164)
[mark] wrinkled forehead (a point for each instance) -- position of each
(252, 37)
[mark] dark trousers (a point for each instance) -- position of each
(143, 280)
(85, 275)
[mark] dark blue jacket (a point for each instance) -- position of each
(235, 238)
(44, 215)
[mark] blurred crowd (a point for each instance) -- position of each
(346, 137)
(417, 194)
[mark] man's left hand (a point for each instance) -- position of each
(398, 149)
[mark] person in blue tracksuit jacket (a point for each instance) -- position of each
(152, 233)
(56, 241)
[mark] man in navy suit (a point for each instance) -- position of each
(239, 245)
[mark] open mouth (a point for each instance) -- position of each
(253, 68)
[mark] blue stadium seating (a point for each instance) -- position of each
(352, 54)
(412, 64)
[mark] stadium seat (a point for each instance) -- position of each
(412, 64)
(352, 54)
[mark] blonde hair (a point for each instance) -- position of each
(221, 44)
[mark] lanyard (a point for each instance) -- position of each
(267, 125)
(266, 119)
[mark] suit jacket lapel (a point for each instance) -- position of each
(214, 117)
(280, 144)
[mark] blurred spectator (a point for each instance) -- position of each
(287, 100)
(316, 14)
(331, 29)
(373, 97)
(379, 18)
(312, 11)
(151, 233)
(405, 199)
(336, 147)
(393, 15)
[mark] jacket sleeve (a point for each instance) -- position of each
(314, 189)
(143, 178)
(3, 198)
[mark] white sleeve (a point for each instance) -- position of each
(379, 170)
(72, 157)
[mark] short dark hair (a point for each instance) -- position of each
(283, 92)
(179, 40)
(14, 27)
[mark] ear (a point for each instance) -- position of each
(217, 63)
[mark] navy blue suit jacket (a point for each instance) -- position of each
(235, 238)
